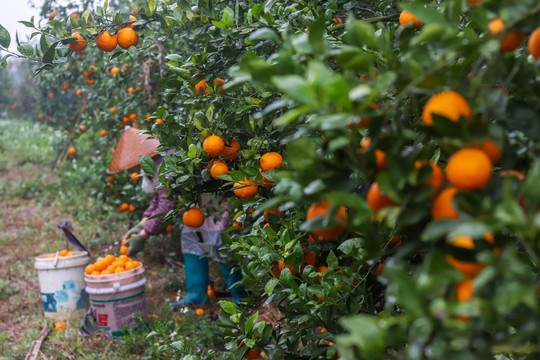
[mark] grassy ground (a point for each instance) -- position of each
(34, 199)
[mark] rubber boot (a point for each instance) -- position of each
(238, 292)
(196, 281)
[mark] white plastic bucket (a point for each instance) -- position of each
(62, 285)
(115, 298)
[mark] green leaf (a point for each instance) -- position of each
(118, 19)
(251, 321)
(48, 57)
(26, 49)
(301, 153)
(270, 286)
(5, 38)
(151, 7)
(316, 34)
(147, 165)
(43, 43)
(360, 33)
(228, 306)
(27, 23)
(265, 34)
(290, 116)
(295, 87)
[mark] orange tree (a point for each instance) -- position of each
(401, 218)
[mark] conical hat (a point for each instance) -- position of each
(131, 145)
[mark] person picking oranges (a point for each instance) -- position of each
(201, 238)
(126, 156)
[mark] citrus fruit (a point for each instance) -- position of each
(271, 160)
(218, 168)
(201, 86)
(230, 151)
(436, 178)
(464, 290)
(448, 104)
(78, 45)
(407, 17)
(490, 149)
(443, 207)
(127, 37)
(193, 217)
(469, 169)
(72, 151)
(106, 42)
(213, 145)
(115, 70)
(321, 208)
(378, 200)
(245, 189)
(533, 45)
(103, 133)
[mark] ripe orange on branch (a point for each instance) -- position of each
(213, 145)
(321, 208)
(131, 20)
(127, 37)
(378, 200)
(72, 151)
(218, 168)
(406, 17)
(106, 42)
(201, 86)
(78, 45)
(271, 160)
(464, 290)
(193, 217)
(436, 179)
(443, 207)
(469, 268)
(448, 104)
(533, 44)
(492, 150)
(115, 70)
(246, 189)
(469, 169)
(230, 151)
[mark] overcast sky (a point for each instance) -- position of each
(14, 11)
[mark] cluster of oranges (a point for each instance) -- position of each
(111, 264)
(511, 39)
(61, 253)
(126, 37)
(126, 207)
(59, 325)
(202, 86)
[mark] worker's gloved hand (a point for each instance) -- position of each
(136, 244)
(134, 230)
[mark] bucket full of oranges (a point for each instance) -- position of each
(115, 285)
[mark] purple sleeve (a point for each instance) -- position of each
(151, 209)
(152, 226)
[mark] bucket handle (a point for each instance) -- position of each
(87, 324)
(87, 327)
(72, 239)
